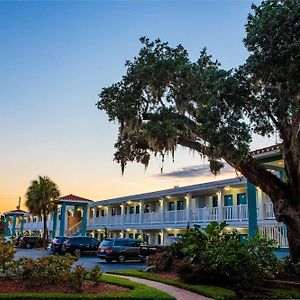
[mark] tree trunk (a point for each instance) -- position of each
(293, 235)
(45, 233)
(290, 216)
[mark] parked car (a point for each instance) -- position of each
(56, 244)
(17, 241)
(80, 245)
(125, 249)
(28, 241)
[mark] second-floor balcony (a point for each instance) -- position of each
(199, 215)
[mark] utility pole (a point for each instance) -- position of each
(19, 203)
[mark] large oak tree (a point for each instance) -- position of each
(165, 100)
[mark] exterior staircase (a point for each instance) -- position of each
(276, 233)
(74, 230)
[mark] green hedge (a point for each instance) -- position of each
(214, 292)
(137, 291)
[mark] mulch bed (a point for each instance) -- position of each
(19, 286)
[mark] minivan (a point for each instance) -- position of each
(120, 249)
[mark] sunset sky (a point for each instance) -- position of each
(56, 57)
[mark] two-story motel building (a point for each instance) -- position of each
(161, 216)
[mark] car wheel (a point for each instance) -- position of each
(108, 260)
(27, 246)
(121, 258)
(77, 252)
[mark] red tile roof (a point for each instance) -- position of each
(72, 197)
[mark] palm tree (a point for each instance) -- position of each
(40, 198)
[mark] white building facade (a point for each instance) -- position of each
(162, 216)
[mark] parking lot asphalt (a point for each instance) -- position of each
(88, 261)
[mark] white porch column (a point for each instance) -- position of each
(162, 242)
(260, 203)
(188, 198)
(175, 211)
(162, 202)
(122, 214)
(141, 212)
(220, 195)
(108, 218)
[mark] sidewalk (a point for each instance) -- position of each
(179, 294)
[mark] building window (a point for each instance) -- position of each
(215, 201)
(228, 200)
(180, 205)
(113, 211)
(241, 199)
(131, 210)
(97, 213)
(171, 206)
(146, 208)
(137, 209)
(102, 212)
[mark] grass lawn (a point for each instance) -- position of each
(137, 291)
(284, 294)
(214, 292)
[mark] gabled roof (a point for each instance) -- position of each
(74, 198)
(15, 212)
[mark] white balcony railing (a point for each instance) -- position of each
(151, 218)
(205, 214)
(199, 215)
(276, 233)
(269, 210)
(36, 226)
(235, 213)
(132, 219)
(170, 217)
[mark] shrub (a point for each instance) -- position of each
(45, 270)
(192, 273)
(162, 261)
(7, 252)
(49, 270)
(214, 255)
(76, 277)
(190, 245)
(95, 275)
(194, 240)
(243, 265)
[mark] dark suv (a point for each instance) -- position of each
(80, 245)
(120, 249)
(28, 241)
(57, 243)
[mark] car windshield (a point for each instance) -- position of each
(106, 243)
(58, 239)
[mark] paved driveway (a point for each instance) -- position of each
(88, 261)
